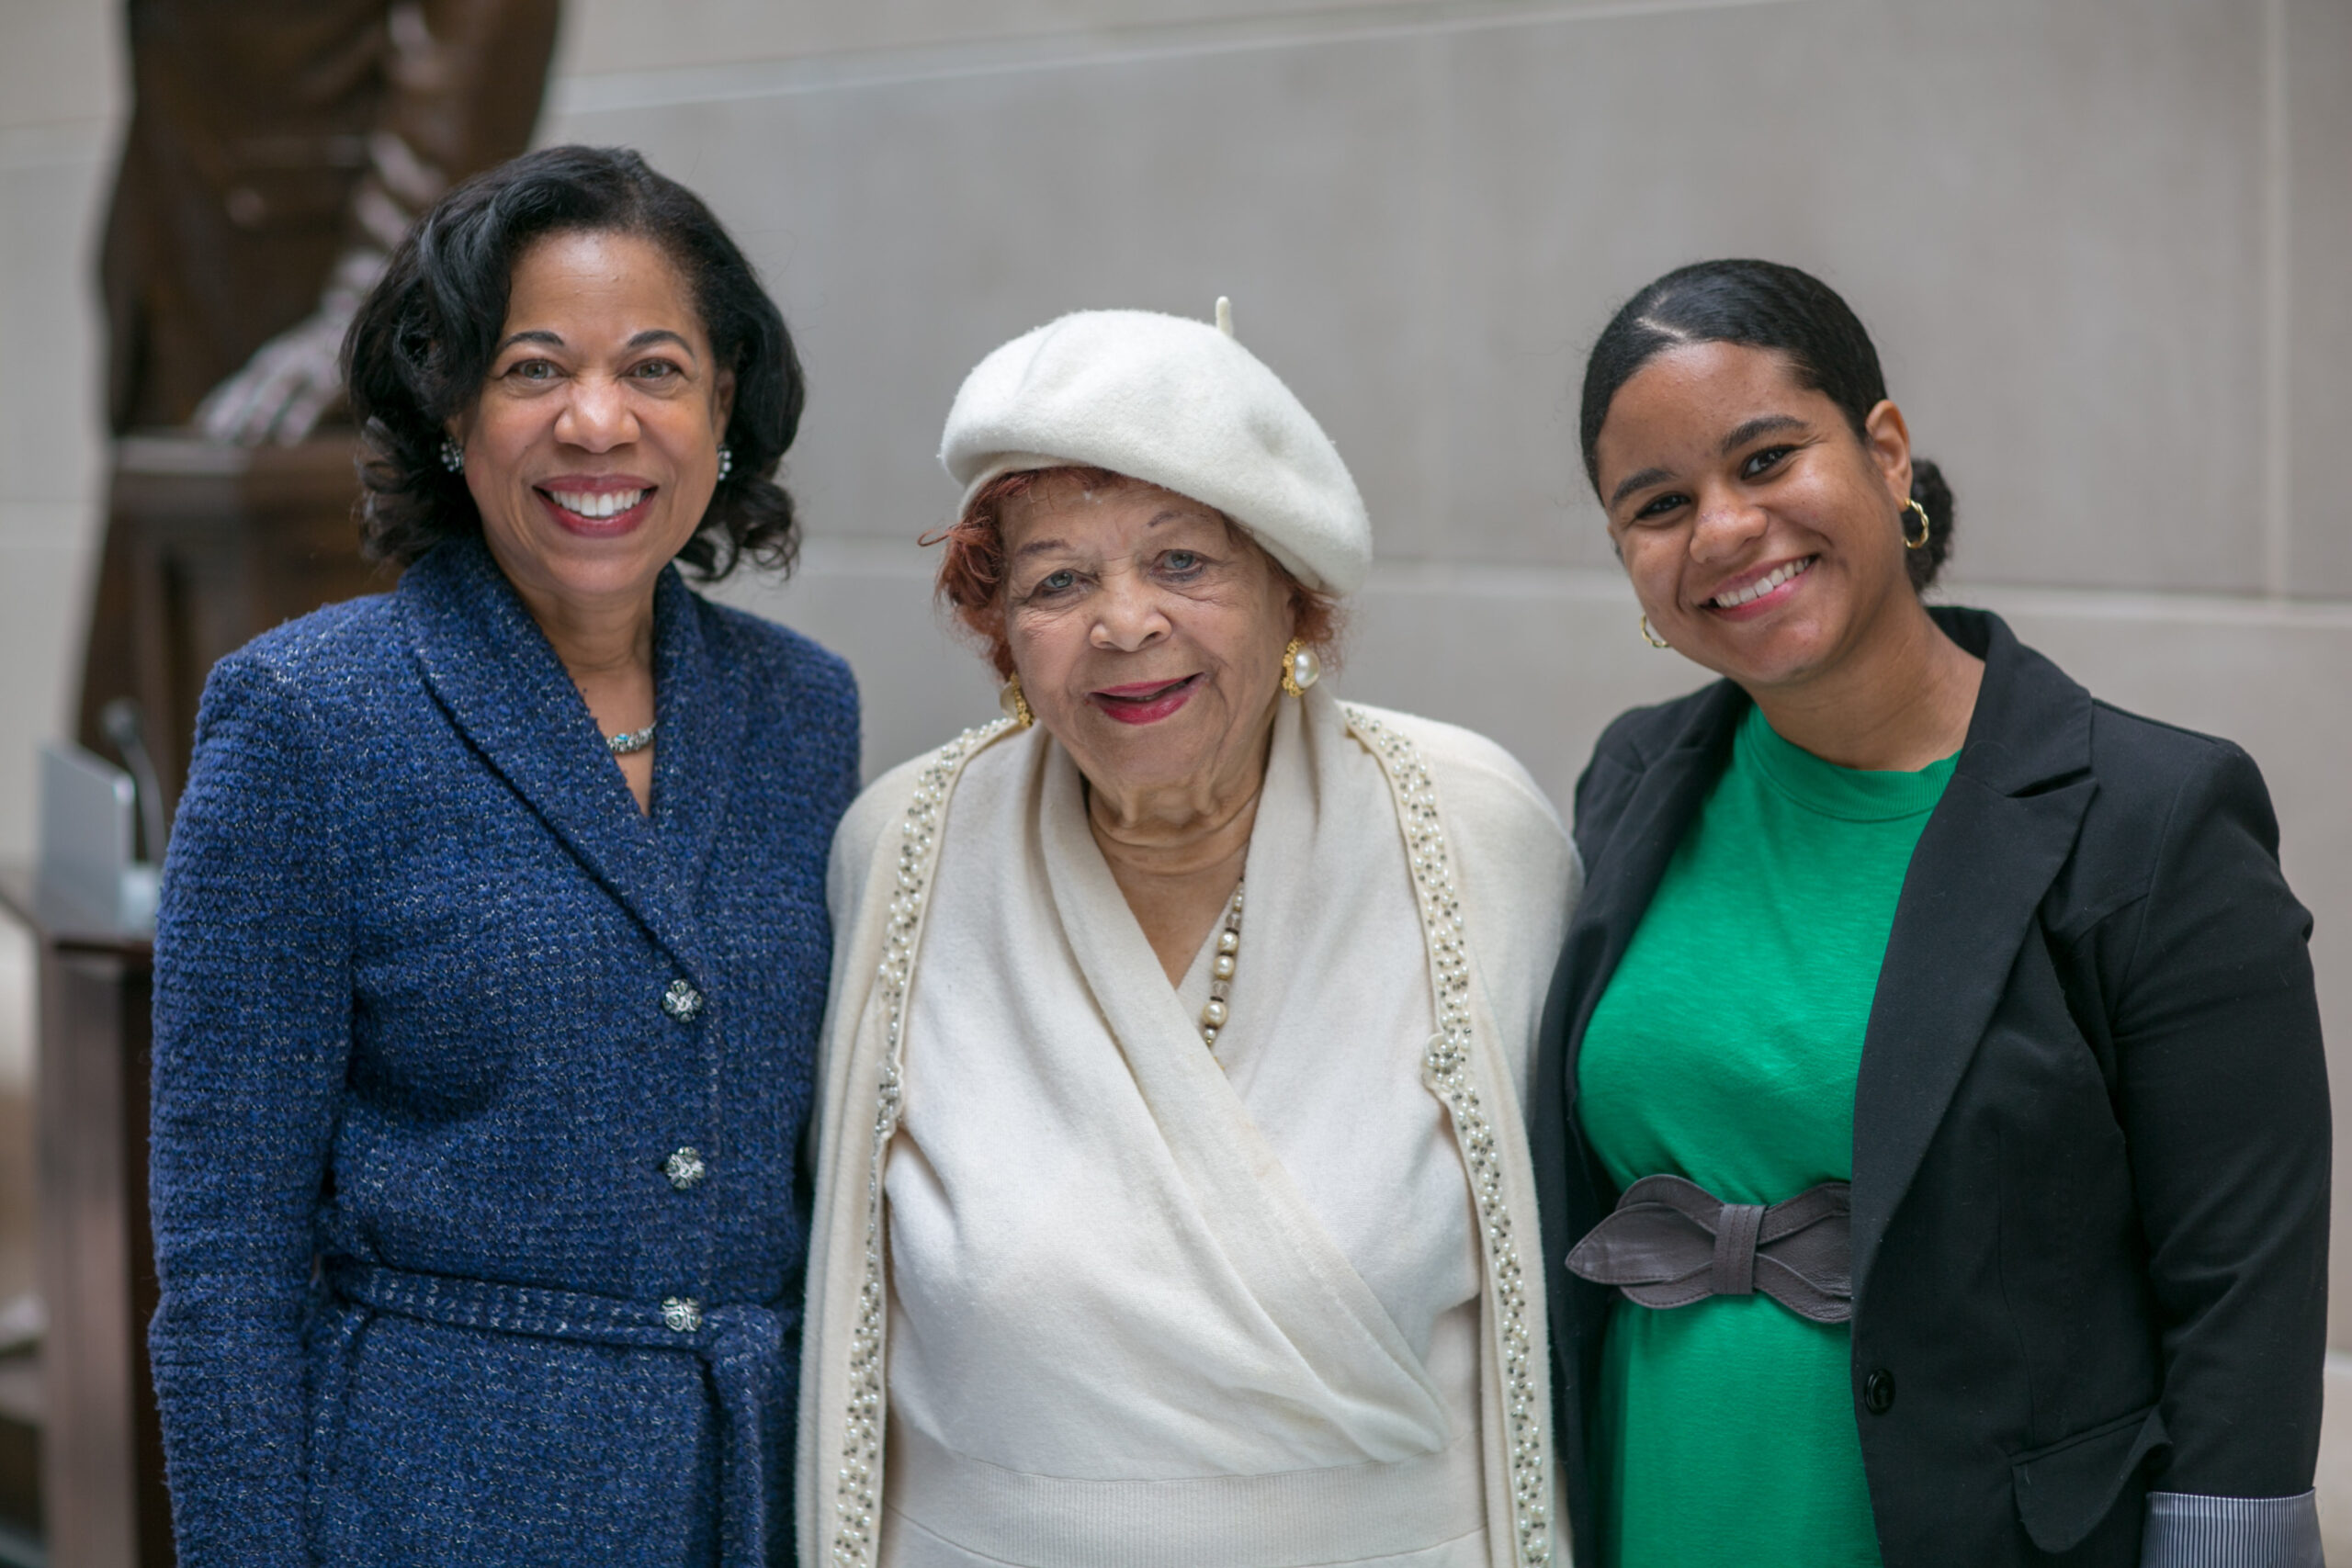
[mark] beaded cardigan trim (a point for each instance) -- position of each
(1446, 1070)
(857, 1490)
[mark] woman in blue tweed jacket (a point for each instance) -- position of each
(493, 942)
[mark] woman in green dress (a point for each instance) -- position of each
(1932, 1119)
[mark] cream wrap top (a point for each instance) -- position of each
(1082, 1291)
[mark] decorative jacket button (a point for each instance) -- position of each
(1878, 1391)
(681, 1001)
(681, 1314)
(685, 1168)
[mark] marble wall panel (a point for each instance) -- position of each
(2052, 243)
(59, 87)
(910, 228)
(52, 188)
(2334, 1479)
(2318, 325)
(2058, 246)
(50, 445)
(43, 577)
(17, 1007)
(919, 683)
(49, 175)
(1541, 659)
(616, 36)
(61, 62)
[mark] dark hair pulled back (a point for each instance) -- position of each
(1760, 304)
(422, 344)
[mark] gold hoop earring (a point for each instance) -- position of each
(1927, 529)
(1650, 636)
(1016, 705)
(1301, 669)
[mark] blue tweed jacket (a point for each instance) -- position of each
(478, 1093)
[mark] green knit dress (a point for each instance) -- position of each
(1725, 1051)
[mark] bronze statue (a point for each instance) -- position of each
(278, 150)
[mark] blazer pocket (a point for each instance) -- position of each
(2065, 1489)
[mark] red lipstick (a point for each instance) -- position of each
(585, 504)
(1144, 702)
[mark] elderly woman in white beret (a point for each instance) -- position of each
(1173, 1206)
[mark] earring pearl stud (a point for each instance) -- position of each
(1301, 669)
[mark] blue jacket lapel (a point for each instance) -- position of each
(703, 716)
(494, 672)
(2002, 831)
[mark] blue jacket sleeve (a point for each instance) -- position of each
(253, 1004)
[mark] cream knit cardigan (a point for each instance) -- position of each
(1493, 875)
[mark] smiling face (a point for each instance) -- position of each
(593, 450)
(1147, 633)
(1763, 536)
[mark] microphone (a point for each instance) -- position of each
(125, 724)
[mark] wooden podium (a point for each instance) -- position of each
(103, 1504)
(207, 547)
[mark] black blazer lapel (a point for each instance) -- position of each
(1998, 839)
(1627, 847)
(492, 669)
(1625, 875)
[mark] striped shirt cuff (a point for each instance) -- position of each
(2188, 1531)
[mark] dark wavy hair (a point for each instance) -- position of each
(1760, 304)
(420, 347)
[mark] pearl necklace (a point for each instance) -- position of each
(1228, 945)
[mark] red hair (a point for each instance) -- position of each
(971, 573)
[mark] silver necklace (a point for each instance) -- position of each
(1228, 947)
(629, 741)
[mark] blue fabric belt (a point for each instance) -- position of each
(742, 1344)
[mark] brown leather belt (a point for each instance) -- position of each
(1670, 1242)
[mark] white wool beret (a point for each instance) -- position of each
(1176, 403)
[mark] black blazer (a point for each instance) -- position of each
(2091, 1131)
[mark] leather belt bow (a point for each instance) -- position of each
(1670, 1242)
